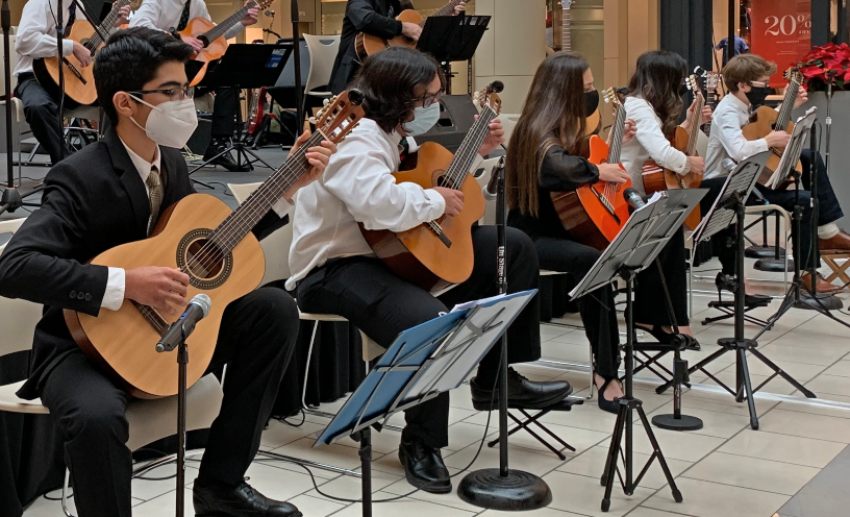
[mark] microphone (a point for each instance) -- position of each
(491, 190)
(634, 198)
(197, 309)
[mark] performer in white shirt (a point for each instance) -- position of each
(335, 271)
(654, 102)
(172, 16)
(746, 77)
(36, 38)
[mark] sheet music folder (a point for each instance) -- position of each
(642, 238)
(246, 65)
(431, 358)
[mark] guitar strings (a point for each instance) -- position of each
(459, 167)
(231, 231)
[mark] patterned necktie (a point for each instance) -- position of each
(72, 15)
(154, 183)
(184, 16)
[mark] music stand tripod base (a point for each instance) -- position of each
(516, 491)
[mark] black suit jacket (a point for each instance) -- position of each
(93, 201)
(375, 17)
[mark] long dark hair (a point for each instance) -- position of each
(658, 79)
(392, 81)
(553, 115)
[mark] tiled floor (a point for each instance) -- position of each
(796, 462)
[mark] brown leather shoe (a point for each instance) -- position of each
(839, 243)
(822, 285)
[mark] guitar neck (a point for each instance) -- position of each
(221, 29)
(694, 125)
(106, 25)
(617, 132)
(566, 25)
(448, 9)
(787, 107)
(237, 225)
(465, 155)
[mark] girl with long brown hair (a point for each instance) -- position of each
(543, 157)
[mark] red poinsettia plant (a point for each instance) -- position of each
(827, 64)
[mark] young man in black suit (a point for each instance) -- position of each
(108, 194)
(375, 17)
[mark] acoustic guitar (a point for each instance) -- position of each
(766, 119)
(212, 36)
(684, 139)
(79, 80)
(204, 238)
(563, 40)
(366, 45)
(593, 214)
(439, 253)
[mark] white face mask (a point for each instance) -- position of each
(423, 119)
(171, 123)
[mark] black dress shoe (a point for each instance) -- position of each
(424, 467)
(522, 393)
(213, 500)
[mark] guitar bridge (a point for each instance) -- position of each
(438, 231)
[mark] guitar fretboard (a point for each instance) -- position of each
(103, 30)
(787, 107)
(465, 155)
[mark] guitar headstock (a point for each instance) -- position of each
(611, 96)
(340, 115)
(489, 96)
(692, 82)
(793, 75)
(262, 4)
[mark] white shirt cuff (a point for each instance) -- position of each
(67, 47)
(438, 202)
(282, 207)
(113, 297)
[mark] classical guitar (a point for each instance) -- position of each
(439, 253)
(766, 119)
(368, 44)
(684, 139)
(563, 40)
(79, 80)
(212, 35)
(593, 214)
(204, 238)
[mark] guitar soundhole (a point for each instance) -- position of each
(207, 265)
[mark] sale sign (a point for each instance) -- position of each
(781, 32)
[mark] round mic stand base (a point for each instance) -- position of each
(672, 423)
(516, 491)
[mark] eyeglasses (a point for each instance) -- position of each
(173, 93)
(427, 100)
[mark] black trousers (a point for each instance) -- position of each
(829, 209)
(256, 341)
(224, 113)
(381, 304)
(598, 313)
(650, 301)
(42, 114)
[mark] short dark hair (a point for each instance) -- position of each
(130, 59)
(392, 80)
(746, 68)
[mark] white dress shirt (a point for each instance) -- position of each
(727, 145)
(165, 15)
(113, 297)
(36, 34)
(357, 187)
(649, 143)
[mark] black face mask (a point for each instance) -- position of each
(758, 94)
(591, 102)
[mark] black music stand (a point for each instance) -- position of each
(634, 249)
(246, 65)
(424, 361)
(452, 38)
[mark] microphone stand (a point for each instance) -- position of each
(503, 488)
(296, 56)
(60, 37)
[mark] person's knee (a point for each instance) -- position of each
(40, 111)
(521, 249)
(97, 422)
(275, 306)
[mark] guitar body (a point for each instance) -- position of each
(79, 81)
(656, 178)
(368, 45)
(123, 341)
(418, 255)
(584, 214)
(213, 51)
(763, 122)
